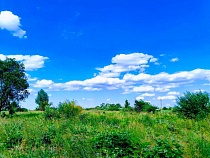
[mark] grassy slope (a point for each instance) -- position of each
(73, 138)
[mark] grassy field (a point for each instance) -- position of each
(103, 134)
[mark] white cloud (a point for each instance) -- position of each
(94, 84)
(173, 93)
(167, 97)
(174, 59)
(148, 95)
(198, 90)
(31, 62)
(11, 22)
(92, 89)
(43, 83)
(132, 59)
(127, 63)
(153, 60)
(206, 84)
(143, 88)
(164, 78)
(119, 75)
(162, 89)
(139, 98)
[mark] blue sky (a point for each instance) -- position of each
(108, 51)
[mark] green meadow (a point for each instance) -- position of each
(96, 133)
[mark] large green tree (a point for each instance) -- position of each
(42, 100)
(193, 105)
(13, 84)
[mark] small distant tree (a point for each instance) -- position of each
(42, 100)
(193, 105)
(127, 104)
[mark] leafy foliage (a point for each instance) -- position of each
(14, 135)
(42, 100)
(127, 104)
(114, 144)
(109, 107)
(67, 109)
(164, 149)
(193, 105)
(142, 106)
(13, 84)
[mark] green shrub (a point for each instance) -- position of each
(66, 109)
(14, 135)
(69, 109)
(51, 112)
(114, 144)
(49, 135)
(193, 105)
(142, 106)
(164, 149)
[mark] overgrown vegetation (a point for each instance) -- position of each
(96, 134)
(110, 130)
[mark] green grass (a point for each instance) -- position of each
(28, 134)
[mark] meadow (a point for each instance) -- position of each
(96, 133)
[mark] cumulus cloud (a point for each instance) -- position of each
(164, 78)
(119, 75)
(173, 93)
(94, 84)
(43, 83)
(139, 98)
(31, 62)
(167, 97)
(11, 22)
(142, 89)
(174, 59)
(148, 95)
(122, 63)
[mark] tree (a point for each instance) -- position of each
(13, 84)
(42, 100)
(193, 105)
(139, 105)
(127, 104)
(142, 106)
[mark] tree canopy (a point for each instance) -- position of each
(142, 106)
(193, 105)
(42, 100)
(13, 83)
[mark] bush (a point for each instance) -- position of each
(142, 106)
(69, 109)
(114, 144)
(193, 105)
(14, 135)
(164, 149)
(51, 112)
(66, 109)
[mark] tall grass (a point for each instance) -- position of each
(31, 135)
